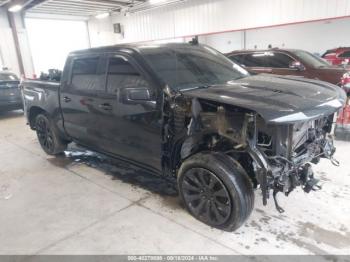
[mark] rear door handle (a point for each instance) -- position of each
(105, 106)
(66, 99)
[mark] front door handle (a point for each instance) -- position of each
(66, 99)
(105, 106)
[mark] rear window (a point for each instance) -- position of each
(250, 60)
(255, 60)
(85, 75)
(8, 77)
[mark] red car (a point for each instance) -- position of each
(338, 56)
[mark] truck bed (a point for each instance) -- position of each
(40, 94)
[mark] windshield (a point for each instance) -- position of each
(311, 59)
(185, 67)
(8, 77)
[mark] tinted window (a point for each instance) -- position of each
(85, 75)
(255, 60)
(186, 67)
(121, 74)
(279, 60)
(239, 59)
(345, 54)
(264, 59)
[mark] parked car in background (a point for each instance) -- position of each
(188, 112)
(338, 56)
(291, 62)
(10, 94)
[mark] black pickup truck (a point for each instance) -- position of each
(187, 111)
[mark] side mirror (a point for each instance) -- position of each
(138, 94)
(296, 65)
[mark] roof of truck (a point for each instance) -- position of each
(129, 47)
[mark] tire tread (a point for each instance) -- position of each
(233, 176)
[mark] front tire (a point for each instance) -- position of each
(216, 190)
(48, 136)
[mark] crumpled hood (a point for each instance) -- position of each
(277, 99)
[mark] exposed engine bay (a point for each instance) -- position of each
(276, 157)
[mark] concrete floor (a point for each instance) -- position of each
(80, 204)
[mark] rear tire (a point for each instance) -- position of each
(216, 190)
(48, 135)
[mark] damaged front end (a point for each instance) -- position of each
(276, 156)
(282, 154)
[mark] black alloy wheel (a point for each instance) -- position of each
(45, 135)
(206, 196)
(216, 190)
(48, 135)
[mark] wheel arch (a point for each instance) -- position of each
(195, 144)
(34, 111)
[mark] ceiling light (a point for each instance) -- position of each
(154, 2)
(15, 8)
(101, 16)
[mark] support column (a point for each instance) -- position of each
(16, 41)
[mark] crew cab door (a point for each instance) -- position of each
(131, 122)
(81, 96)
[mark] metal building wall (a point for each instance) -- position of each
(8, 54)
(315, 37)
(195, 17)
(7, 45)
